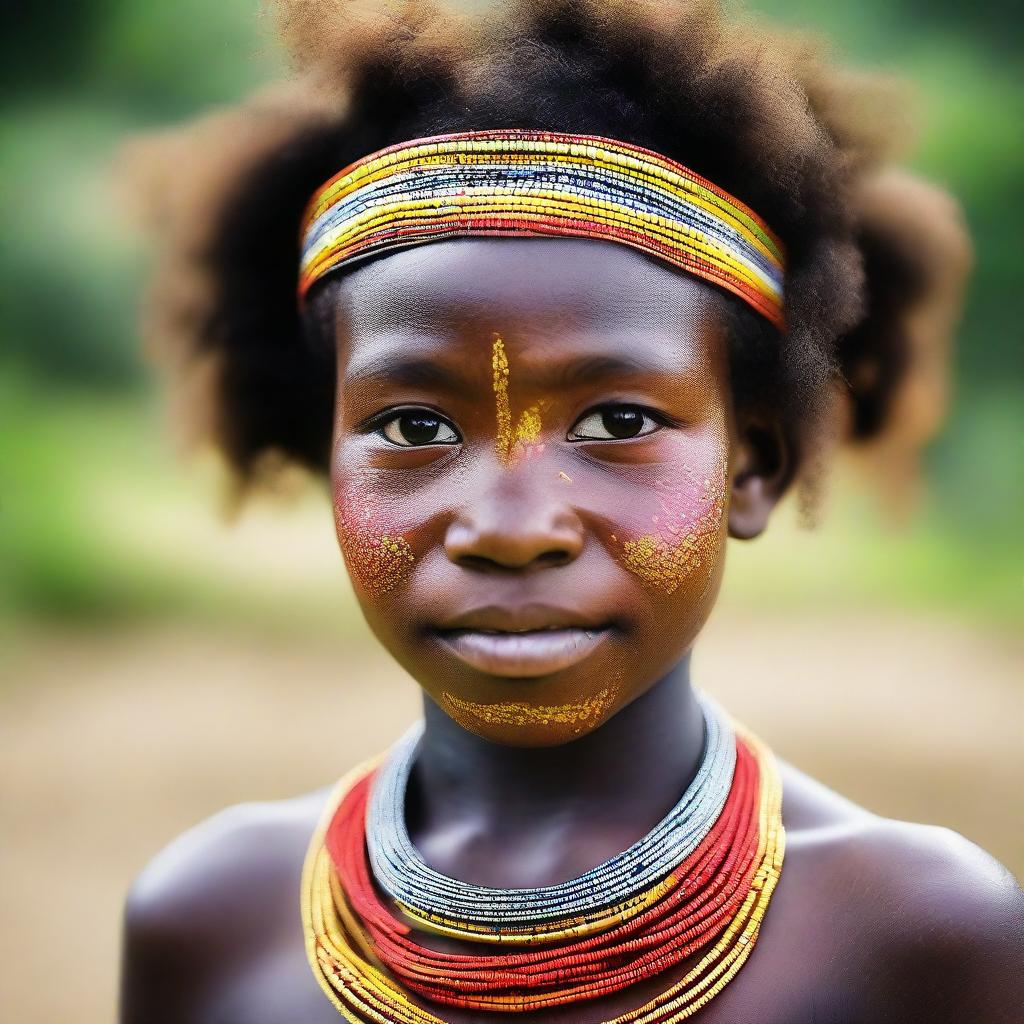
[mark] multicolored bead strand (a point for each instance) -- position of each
(372, 969)
(511, 182)
(708, 888)
(433, 897)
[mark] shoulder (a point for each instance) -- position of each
(220, 859)
(236, 873)
(939, 921)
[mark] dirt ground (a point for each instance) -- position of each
(111, 744)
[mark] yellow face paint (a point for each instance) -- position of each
(378, 561)
(512, 443)
(577, 713)
(686, 540)
(499, 380)
(528, 428)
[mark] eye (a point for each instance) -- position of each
(417, 427)
(614, 423)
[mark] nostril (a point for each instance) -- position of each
(499, 537)
(554, 558)
(546, 559)
(475, 562)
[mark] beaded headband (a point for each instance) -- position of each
(531, 183)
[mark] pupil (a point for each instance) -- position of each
(419, 429)
(622, 422)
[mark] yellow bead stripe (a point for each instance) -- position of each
(342, 959)
(643, 164)
(504, 203)
(666, 209)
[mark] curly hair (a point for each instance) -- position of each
(875, 258)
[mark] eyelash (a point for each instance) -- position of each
(660, 418)
(376, 423)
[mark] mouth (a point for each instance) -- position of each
(523, 653)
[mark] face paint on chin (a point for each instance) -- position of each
(378, 558)
(524, 723)
(521, 713)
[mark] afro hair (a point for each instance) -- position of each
(876, 259)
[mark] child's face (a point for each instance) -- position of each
(531, 473)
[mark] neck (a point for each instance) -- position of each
(630, 771)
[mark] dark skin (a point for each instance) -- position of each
(873, 919)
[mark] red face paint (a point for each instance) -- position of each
(507, 519)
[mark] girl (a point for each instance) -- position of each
(559, 298)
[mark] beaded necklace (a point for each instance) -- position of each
(709, 902)
(434, 897)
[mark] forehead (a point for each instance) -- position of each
(572, 293)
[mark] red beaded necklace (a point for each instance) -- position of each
(703, 894)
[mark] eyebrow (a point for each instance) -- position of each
(410, 372)
(423, 372)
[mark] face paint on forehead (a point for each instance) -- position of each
(522, 441)
(503, 411)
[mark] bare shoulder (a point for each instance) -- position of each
(235, 874)
(941, 920)
(918, 865)
(206, 867)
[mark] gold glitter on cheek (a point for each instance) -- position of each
(378, 561)
(578, 713)
(687, 539)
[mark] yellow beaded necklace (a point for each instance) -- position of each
(342, 956)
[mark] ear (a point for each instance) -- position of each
(764, 461)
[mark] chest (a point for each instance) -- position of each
(284, 992)
(796, 974)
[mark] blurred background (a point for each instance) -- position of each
(158, 663)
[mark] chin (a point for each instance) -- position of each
(531, 724)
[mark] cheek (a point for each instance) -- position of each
(376, 551)
(680, 542)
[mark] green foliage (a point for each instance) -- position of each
(55, 558)
(78, 76)
(99, 523)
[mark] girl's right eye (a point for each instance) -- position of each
(417, 427)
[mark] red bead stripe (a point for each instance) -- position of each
(710, 886)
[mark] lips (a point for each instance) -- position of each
(526, 641)
(493, 618)
(522, 653)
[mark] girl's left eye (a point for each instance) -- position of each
(418, 427)
(614, 423)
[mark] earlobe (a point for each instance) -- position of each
(764, 469)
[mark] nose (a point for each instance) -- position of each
(515, 524)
